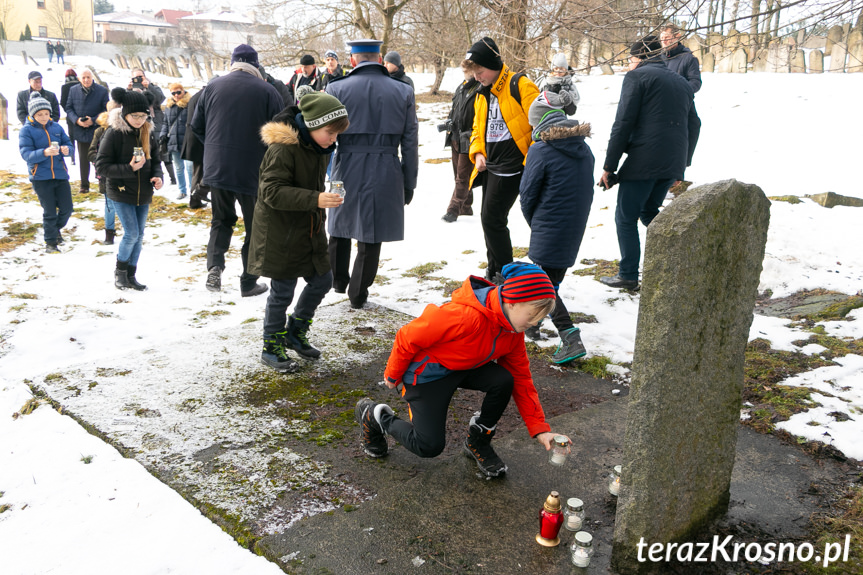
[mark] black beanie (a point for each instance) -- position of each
(486, 54)
(307, 60)
(646, 47)
(132, 101)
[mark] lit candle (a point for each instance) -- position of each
(582, 549)
(559, 450)
(614, 484)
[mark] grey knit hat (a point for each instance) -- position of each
(547, 102)
(393, 58)
(559, 61)
(36, 103)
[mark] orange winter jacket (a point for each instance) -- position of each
(466, 333)
(514, 115)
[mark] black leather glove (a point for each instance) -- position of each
(409, 195)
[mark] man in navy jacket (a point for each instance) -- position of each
(86, 101)
(657, 127)
(679, 58)
(228, 118)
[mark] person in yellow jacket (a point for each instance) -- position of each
(499, 141)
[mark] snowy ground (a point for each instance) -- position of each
(789, 134)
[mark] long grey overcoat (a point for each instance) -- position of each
(383, 118)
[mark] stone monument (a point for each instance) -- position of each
(702, 264)
(816, 62)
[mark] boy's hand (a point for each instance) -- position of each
(49, 151)
(480, 162)
(64, 150)
(328, 200)
(390, 384)
(547, 438)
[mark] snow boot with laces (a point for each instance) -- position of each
(298, 337)
(478, 446)
(274, 354)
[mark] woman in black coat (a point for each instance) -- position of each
(173, 134)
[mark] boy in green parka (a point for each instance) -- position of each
(289, 240)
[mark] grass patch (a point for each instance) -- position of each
(578, 317)
(179, 212)
(204, 314)
(17, 234)
(598, 268)
(594, 365)
(845, 517)
(423, 271)
(836, 347)
(789, 199)
(763, 370)
(381, 280)
(87, 459)
(468, 252)
(839, 309)
(437, 161)
(519, 252)
(429, 98)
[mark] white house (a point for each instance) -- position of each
(221, 31)
(119, 27)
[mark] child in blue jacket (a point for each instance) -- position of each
(43, 143)
(556, 192)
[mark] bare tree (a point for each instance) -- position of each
(60, 16)
(7, 8)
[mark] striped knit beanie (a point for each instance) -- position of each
(525, 282)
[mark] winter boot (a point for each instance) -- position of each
(298, 337)
(533, 333)
(570, 346)
(478, 446)
(52, 249)
(170, 169)
(133, 283)
(274, 354)
(109, 237)
(368, 415)
(214, 278)
(121, 275)
(60, 240)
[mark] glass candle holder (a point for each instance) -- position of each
(55, 145)
(614, 481)
(137, 153)
(559, 450)
(337, 187)
(573, 514)
(582, 549)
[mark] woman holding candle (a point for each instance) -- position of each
(476, 341)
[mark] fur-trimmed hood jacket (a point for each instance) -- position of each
(114, 157)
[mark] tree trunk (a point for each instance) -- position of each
(735, 8)
(440, 63)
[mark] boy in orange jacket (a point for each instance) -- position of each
(476, 341)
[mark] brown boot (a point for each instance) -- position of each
(109, 237)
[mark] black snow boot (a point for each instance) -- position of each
(478, 446)
(274, 354)
(133, 283)
(121, 275)
(298, 337)
(109, 237)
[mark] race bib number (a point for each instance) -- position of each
(496, 128)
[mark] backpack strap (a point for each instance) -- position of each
(513, 87)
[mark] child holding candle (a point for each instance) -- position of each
(476, 341)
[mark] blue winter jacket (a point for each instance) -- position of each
(82, 104)
(32, 141)
(174, 124)
(656, 125)
(556, 192)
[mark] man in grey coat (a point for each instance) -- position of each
(378, 183)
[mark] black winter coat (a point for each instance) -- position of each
(115, 152)
(24, 101)
(461, 115)
(680, 59)
(228, 118)
(193, 148)
(64, 90)
(326, 77)
(174, 126)
(656, 124)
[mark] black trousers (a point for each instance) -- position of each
(357, 282)
(222, 228)
(560, 316)
(84, 164)
(498, 196)
(425, 434)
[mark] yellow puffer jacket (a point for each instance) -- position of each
(514, 115)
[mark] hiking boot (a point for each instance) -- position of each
(133, 283)
(121, 275)
(368, 415)
(478, 446)
(256, 289)
(533, 333)
(51, 249)
(275, 356)
(109, 237)
(182, 196)
(214, 279)
(570, 346)
(60, 240)
(450, 217)
(298, 337)
(619, 282)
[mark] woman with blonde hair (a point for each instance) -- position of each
(129, 158)
(174, 132)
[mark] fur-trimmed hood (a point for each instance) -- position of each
(102, 120)
(182, 103)
(279, 133)
(562, 131)
(116, 121)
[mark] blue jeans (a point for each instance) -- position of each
(55, 196)
(183, 169)
(636, 200)
(134, 220)
(282, 293)
(110, 213)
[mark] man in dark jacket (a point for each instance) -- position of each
(86, 101)
(141, 83)
(393, 64)
(71, 80)
(50, 48)
(306, 75)
(193, 151)
(458, 138)
(35, 79)
(59, 49)
(227, 120)
(657, 127)
(332, 70)
(378, 183)
(679, 58)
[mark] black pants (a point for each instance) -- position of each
(84, 164)
(560, 316)
(425, 434)
(498, 196)
(222, 228)
(365, 269)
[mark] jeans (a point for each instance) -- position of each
(636, 200)
(222, 228)
(134, 220)
(55, 196)
(425, 434)
(61, 59)
(183, 170)
(110, 213)
(282, 293)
